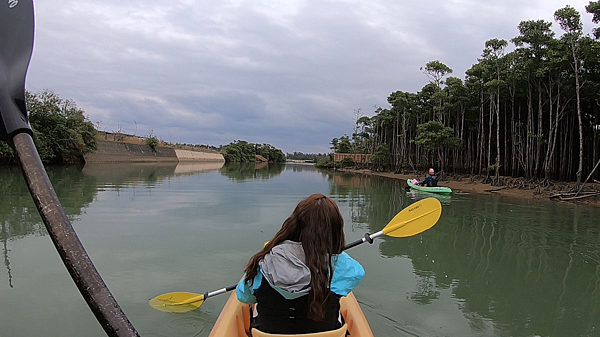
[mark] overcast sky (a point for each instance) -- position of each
(289, 73)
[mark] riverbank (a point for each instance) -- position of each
(513, 187)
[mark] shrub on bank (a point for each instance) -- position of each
(61, 131)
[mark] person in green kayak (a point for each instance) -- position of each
(431, 180)
(299, 276)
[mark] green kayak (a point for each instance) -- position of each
(438, 189)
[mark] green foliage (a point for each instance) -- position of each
(493, 167)
(569, 20)
(325, 162)
(434, 135)
(341, 145)
(594, 8)
(241, 151)
(306, 156)
(238, 151)
(61, 131)
(535, 37)
(493, 84)
(538, 138)
(382, 157)
(6, 153)
(43, 145)
(436, 70)
(152, 142)
(272, 154)
(346, 162)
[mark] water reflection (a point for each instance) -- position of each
(373, 200)
(19, 217)
(302, 167)
(508, 268)
(530, 269)
(18, 214)
(417, 195)
(120, 175)
(246, 171)
(147, 174)
(191, 168)
(77, 187)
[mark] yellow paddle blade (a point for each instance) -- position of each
(414, 219)
(177, 302)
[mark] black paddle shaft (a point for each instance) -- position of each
(16, 46)
(67, 243)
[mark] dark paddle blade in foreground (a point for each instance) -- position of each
(16, 37)
(414, 219)
(16, 41)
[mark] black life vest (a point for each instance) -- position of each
(278, 315)
(434, 181)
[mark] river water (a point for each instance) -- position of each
(491, 266)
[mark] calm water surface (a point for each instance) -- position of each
(490, 267)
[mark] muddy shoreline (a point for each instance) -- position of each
(513, 187)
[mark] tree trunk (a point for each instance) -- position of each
(536, 172)
(497, 177)
(530, 131)
(481, 137)
(576, 61)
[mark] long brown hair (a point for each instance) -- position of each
(319, 225)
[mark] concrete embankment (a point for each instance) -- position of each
(185, 155)
(115, 152)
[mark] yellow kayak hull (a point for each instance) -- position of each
(234, 320)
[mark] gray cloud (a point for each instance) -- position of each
(288, 73)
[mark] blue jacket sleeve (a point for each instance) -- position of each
(245, 292)
(347, 274)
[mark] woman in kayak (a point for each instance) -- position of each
(431, 180)
(300, 274)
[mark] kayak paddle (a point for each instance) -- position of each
(17, 33)
(414, 219)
